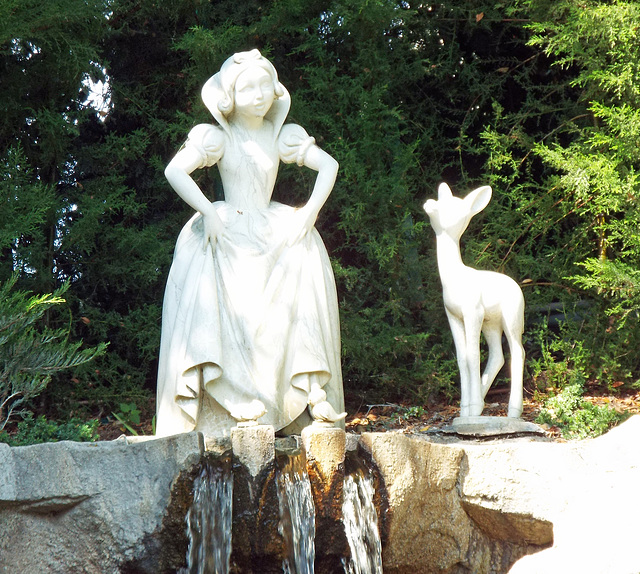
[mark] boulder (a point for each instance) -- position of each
(428, 529)
(518, 505)
(95, 507)
(445, 504)
(591, 499)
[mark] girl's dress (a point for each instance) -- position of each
(254, 318)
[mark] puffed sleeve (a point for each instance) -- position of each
(208, 141)
(294, 143)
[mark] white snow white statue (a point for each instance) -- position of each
(250, 329)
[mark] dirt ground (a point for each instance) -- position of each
(411, 418)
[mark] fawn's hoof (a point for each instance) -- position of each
(514, 412)
(476, 410)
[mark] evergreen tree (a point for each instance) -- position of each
(538, 98)
(568, 161)
(30, 356)
(47, 50)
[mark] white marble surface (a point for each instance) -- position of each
(250, 322)
(476, 301)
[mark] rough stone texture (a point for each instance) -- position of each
(257, 544)
(429, 530)
(586, 489)
(254, 447)
(92, 508)
(326, 447)
(452, 507)
(480, 506)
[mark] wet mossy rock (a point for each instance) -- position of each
(445, 505)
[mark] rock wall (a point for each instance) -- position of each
(445, 505)
(95, 507)
(586, 489)
(515, 505)
(430, 528)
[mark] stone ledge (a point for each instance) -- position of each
(473, 505)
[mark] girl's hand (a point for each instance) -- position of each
(302, 222)
(213, 227)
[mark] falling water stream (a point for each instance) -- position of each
(361, 526)
(297, 517)
(209, 522)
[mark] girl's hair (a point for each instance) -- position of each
(234, 66)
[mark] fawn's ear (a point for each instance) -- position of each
(430, 206)
(478, 199)
(444, 191)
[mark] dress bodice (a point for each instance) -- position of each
(248, 164)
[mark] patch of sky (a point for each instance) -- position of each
(98, 91)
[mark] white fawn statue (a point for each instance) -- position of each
(476, 301)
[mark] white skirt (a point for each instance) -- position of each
(254, 319)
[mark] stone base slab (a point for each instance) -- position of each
(484, 427)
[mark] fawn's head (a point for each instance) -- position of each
(451, 215)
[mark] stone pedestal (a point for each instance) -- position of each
(325, 448)
(254, 447)
(325, 451)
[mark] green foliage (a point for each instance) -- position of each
(599, 38)
(538, 98)
(618, 282)
(40, 430)
(564, 164)
(561, 359)
(29, 354)
(408, 413)
(565, 365)
(576, 417)
(128, 417)
(26, 204)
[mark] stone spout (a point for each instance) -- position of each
(256, 539)
(325, 449)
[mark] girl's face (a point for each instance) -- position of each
(254, 93)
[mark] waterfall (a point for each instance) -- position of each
(361, 526)
(209, 522)
(297, 517)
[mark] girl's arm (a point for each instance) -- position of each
(178, 173)
(327, 169)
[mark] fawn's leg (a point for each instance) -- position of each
(514, 327)
(459, 339)
(493, 335)
(473, 318)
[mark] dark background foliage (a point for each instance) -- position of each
(537, 98)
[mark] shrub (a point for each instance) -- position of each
(576, 417)
(30, 355)
(39, 430)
